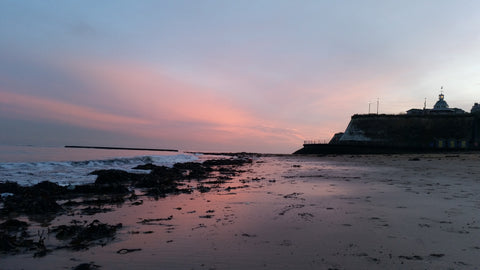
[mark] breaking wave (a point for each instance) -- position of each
(77, 172)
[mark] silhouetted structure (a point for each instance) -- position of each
(420, 130)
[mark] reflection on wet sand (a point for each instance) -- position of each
(294, 212)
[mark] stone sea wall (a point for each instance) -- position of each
(369, 134)
(412, 130)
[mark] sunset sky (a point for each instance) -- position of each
(224, 75)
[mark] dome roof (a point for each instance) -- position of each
(476, 108)
(441, 103)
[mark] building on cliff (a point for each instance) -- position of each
(420, 130)
(440, 107)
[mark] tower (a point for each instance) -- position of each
(441, 103)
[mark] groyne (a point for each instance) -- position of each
(121, 148)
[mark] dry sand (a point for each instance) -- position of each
(299, 212)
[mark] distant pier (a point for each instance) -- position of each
(121, 148)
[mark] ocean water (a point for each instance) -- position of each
(29, 165)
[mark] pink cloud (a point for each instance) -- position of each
(44, 108)
(149, 102)
(221, 119)
(156, 96)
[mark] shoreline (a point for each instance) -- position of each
(286, 211)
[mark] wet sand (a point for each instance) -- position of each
(297, 212)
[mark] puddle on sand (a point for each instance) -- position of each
(279, 214)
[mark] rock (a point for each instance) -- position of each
(230, 161)
(86, 266)
(7, 242)
(13, 225)
(113, 181)
(48, 188)
(193, 170)
(65, 232)
(31, 204)
(10, 187)
(112, 176)
(128, 250)
(148, 166)
(14, 242)
(35, 200)
(159, 177)
(108, 176)
(83, 236)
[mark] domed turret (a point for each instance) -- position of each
(440, 107)
(441, 103)
(476, 108)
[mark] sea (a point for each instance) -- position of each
(29, 165)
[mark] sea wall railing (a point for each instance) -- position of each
(435, 143)
(315, 142)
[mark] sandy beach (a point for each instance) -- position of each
(290, 212)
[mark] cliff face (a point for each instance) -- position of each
(387, 134)
(411, 130)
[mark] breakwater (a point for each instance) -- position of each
(121, 148)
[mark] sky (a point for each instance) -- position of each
(221, 75)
